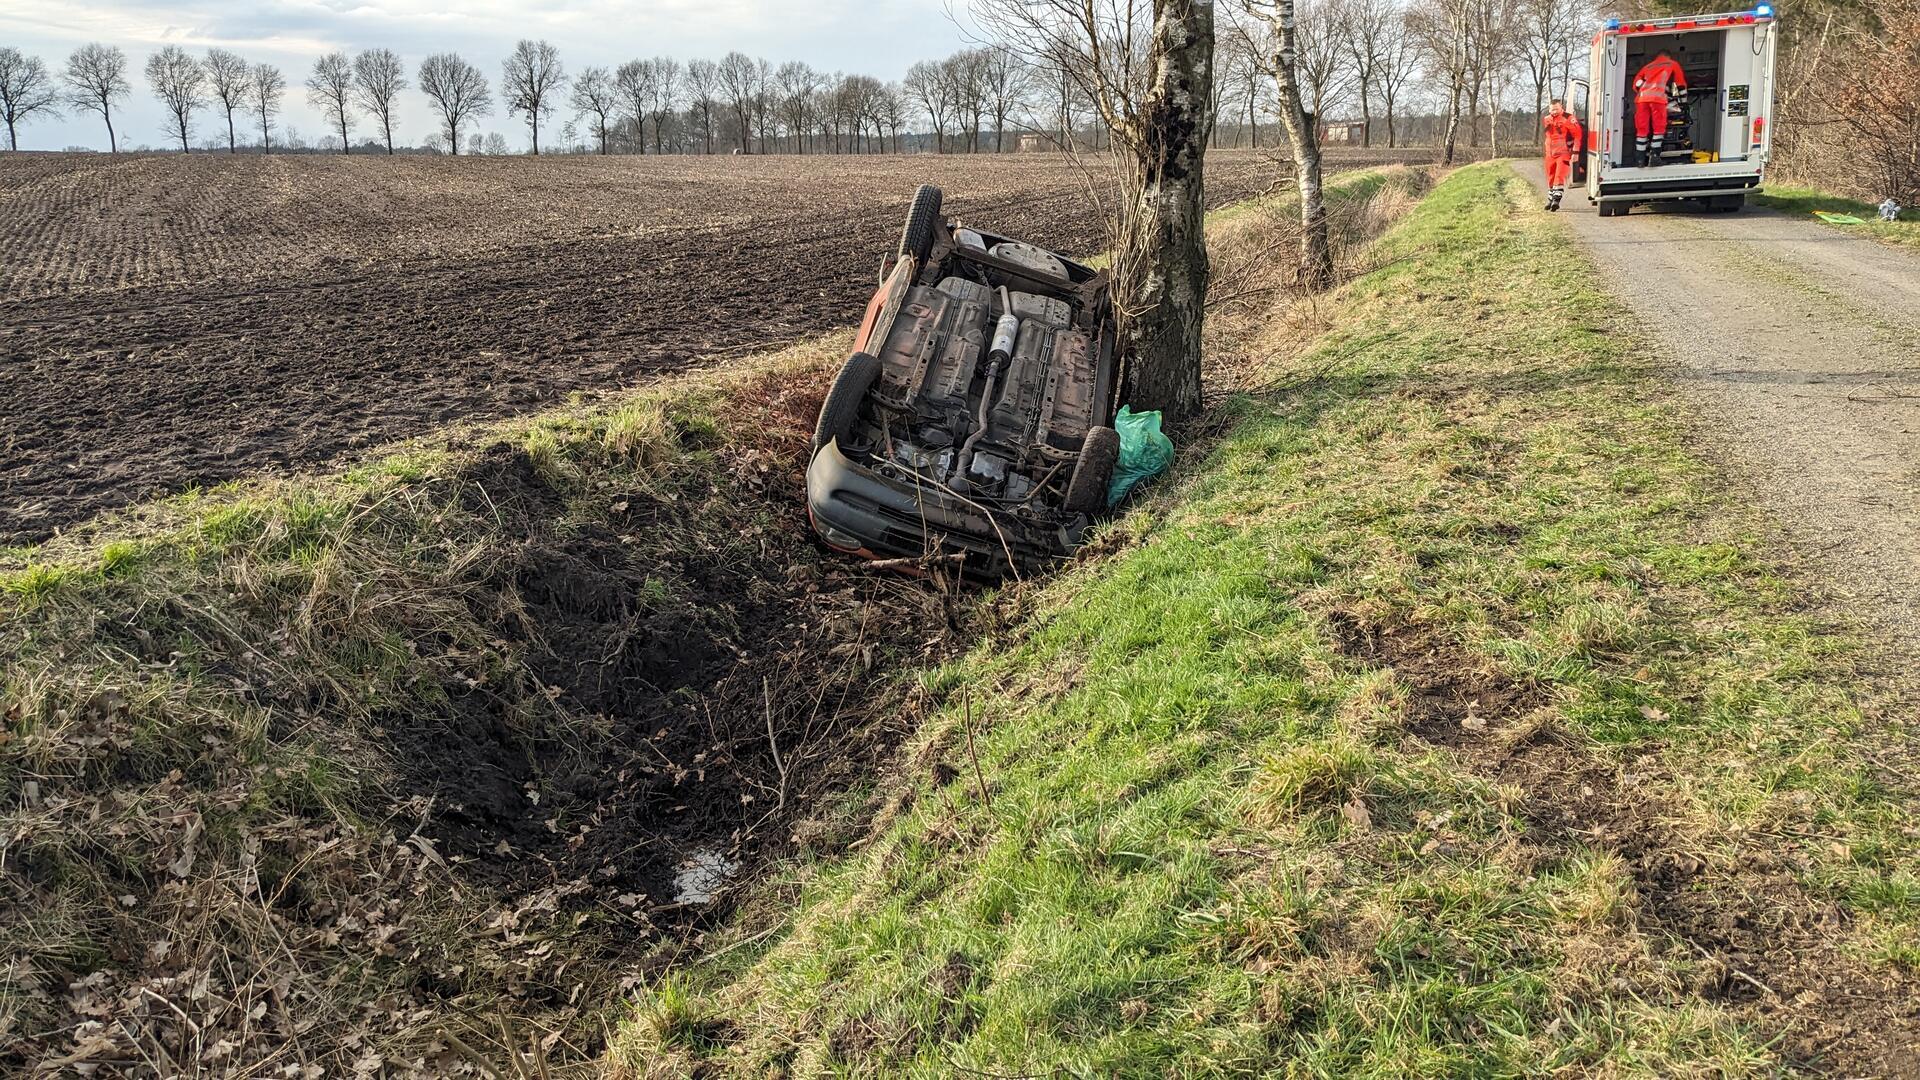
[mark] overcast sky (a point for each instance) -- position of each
(875, 37)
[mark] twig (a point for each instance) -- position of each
(922, 561)
(1731, 969)
(468, 1052)
(978, 778)
(766, 694)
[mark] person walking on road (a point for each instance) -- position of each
(1563, 140)
(1661, 77)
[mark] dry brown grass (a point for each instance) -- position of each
(239, 735)
(1256, 310)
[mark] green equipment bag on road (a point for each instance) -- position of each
(1145, 451)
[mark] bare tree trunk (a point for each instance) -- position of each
(1316, 252)
(1453, 123)
(1162, 268)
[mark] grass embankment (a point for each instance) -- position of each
(399, 765)
(1803, 201)
(1446, 719)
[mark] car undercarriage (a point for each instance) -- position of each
(974, 419)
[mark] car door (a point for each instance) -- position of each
(1576, 99)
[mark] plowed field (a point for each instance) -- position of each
(168, 322)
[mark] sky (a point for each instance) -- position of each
(874, 37)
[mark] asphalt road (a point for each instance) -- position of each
(1801, 346)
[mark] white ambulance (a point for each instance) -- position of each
(1719, 128)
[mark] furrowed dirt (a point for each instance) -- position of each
(174, 322)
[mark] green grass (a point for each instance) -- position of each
(1803, 201)
(1187, 821)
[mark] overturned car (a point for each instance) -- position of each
(974, 418)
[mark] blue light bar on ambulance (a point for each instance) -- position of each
(1765, 11)
(1613, 24)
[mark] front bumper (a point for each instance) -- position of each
(859, 511)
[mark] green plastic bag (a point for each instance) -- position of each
(1145, 451)
(1832, 218)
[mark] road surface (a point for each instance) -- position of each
(1801, 345)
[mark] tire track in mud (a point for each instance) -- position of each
(119, 394)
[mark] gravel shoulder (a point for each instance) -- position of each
(1802, 347)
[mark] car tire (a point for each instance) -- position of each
(842, 406)
(916, 239)
(1093, 472)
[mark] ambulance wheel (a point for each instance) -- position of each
(1727, 204)
(1613, 209)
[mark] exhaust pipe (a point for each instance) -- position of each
(1005, 333)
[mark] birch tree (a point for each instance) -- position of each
(1147, 68)
(1316, 250)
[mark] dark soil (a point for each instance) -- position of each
(1732, 908)
(149, 344)
(643, 725)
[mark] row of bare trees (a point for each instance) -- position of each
(1375, 61)
(1372, 60)
(344, 88)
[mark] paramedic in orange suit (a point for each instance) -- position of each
(1651, 87)
(1562, 142)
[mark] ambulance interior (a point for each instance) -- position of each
(1710, 123)
(1695, 126)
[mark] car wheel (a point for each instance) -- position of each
(842, 406)
(1093, 473)
(916, 239)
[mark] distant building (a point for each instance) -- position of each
(1352, 131)
(1032, 143)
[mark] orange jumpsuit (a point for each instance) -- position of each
(1650, 89)
(1563, 138)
